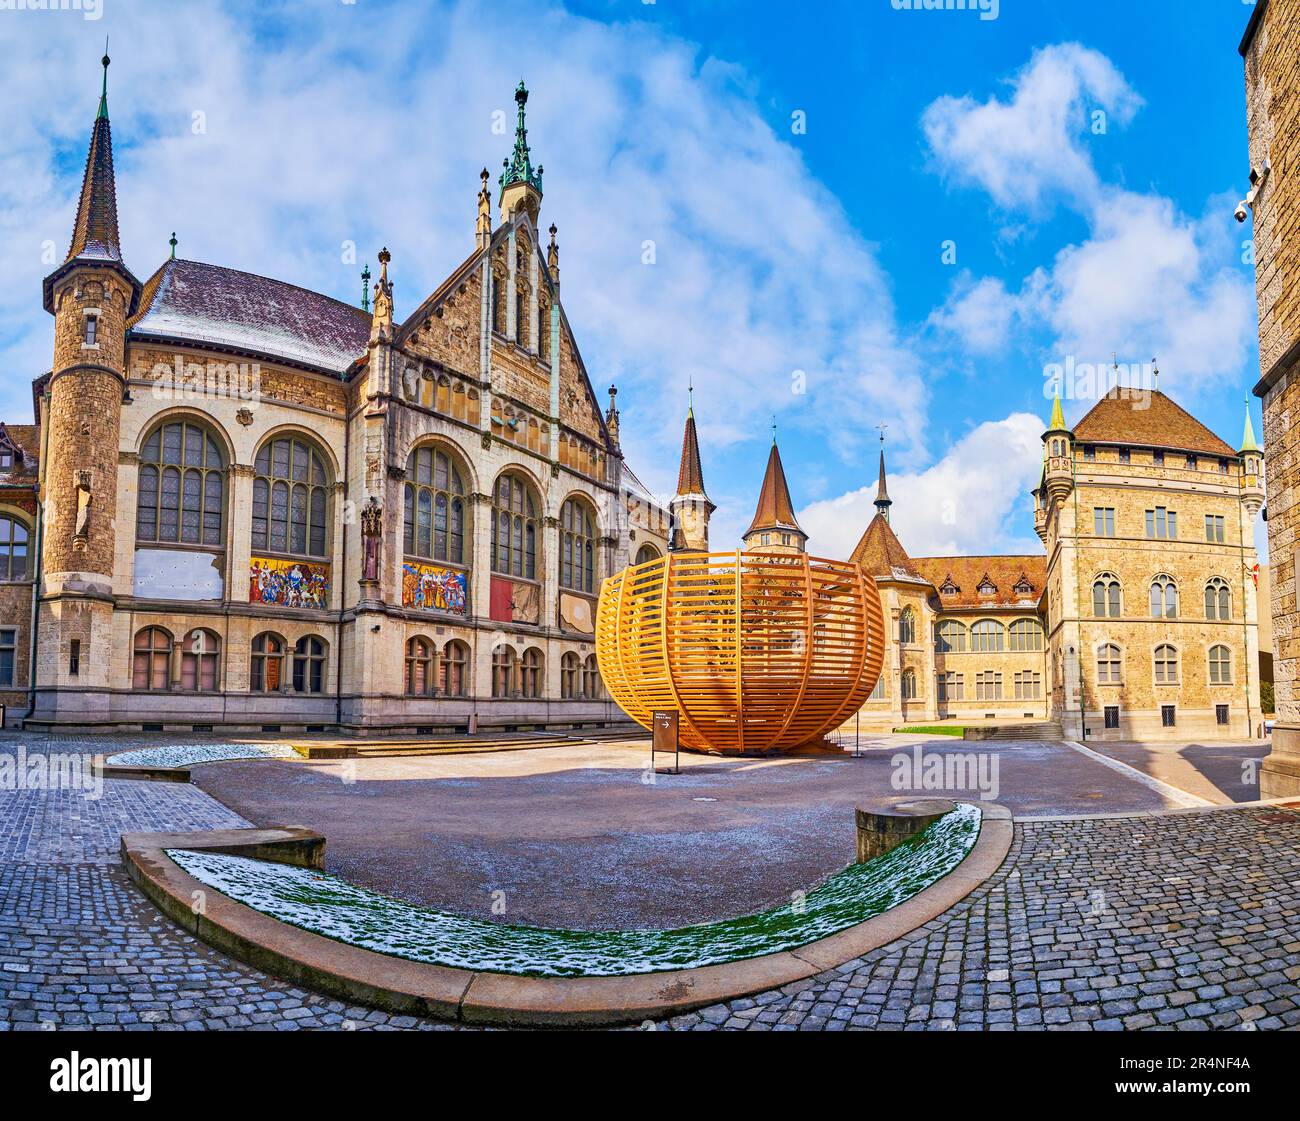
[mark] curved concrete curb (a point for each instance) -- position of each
(398, 985)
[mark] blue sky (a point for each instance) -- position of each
(797, 171)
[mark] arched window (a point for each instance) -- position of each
(986, 635)
(1220, 665)
(419, 668)
(577, 547)
(434, 507)
(1106, 596)
(309, 665)
(1218, 600)
(514, 528)
(13, 549)
(592, 688)
(290, 499)
(646, 554)
(181, 486)
(504, 662)
(1164, 598)
(453, 669)
(569, 668)
(909, 684)
(199, 652)
(907, 627)
(151, 663)
(950, 637)
(266, 668)
(1026, 634)
(530, 673)
(1166, 665)
(1108, 664)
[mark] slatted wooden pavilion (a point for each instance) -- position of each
(757, 652)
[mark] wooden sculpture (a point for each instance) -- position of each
(757, 652)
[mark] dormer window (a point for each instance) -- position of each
(948, 588)
(987, 587)
(1023, 586)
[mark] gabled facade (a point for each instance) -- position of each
(266, 508)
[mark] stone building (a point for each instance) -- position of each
(263, 508)
(1150, 607)
(1270, 48)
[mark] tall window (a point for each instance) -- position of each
(514, 528)
(1162, 523)
(453, 669)
(1103, 521)
(591, 686)
(570, 665)
(878, 691)
(577, 547)
(909, 684)
(199, 659)
(1164, 598)
(1166, 665)
(1220, 665)
(290, 499)
(530, 673)
(988, 686)
(950, 637)
(434, 507)
(907, 626)
(1218, 600)
(13, 549)
(986, 635)
(1026, 634)
(8, 653)
(504, 664)
(151, 662)
(181, 486)
(1105, 596)
(1214, 528)
(1108, 665)
(266, 668)
(419, 667)
(309, 665)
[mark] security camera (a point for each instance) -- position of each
(1240, 212)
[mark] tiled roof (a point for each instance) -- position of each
(882, 555)
(1015, 581)
(25, 439)
(690, 475)
(1147, 419)
(94, 233)
(775, 510)
(189, 301)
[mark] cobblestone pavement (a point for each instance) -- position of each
(1187, 921)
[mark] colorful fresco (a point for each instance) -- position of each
(288, 583)
(432, 588)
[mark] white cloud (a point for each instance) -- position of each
(1026, 148)
(969, 502)
(321, 131)
(979, 313)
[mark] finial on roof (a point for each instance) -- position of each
(1248, 443)
(103, 95)
(1057, 423)
(1155, 375)
(172, 242)
(883, 501)
(774, 430)
(365, 287)
(519, 167)
(690, 396)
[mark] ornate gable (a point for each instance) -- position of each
(986, 586)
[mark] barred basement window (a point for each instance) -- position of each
(514, 528)
(577, 547)
(290, 499)
(434, 524)
(181, 487)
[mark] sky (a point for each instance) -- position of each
(830, 218)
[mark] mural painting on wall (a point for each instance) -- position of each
(515, 602)
(576, 614)
(288, 583)
(433, 588)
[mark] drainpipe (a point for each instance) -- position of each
(36, 576)
(343, 576)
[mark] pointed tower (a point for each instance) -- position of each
(483, 224)
(1252, 469)
(1058, 440)
(521, 186)
(883, 501)
(91, 295)
(690, 506)
(774, 528)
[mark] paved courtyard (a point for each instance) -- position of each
(1186, 920)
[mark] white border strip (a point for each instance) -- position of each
(1178, 797)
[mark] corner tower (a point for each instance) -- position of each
(690, 506)
(774, 528)
(92, 295)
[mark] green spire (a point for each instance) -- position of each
(103, 93)
(173, 243)
(519, 168)
(1057, 423)
(1248, 437)
(365, 287)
